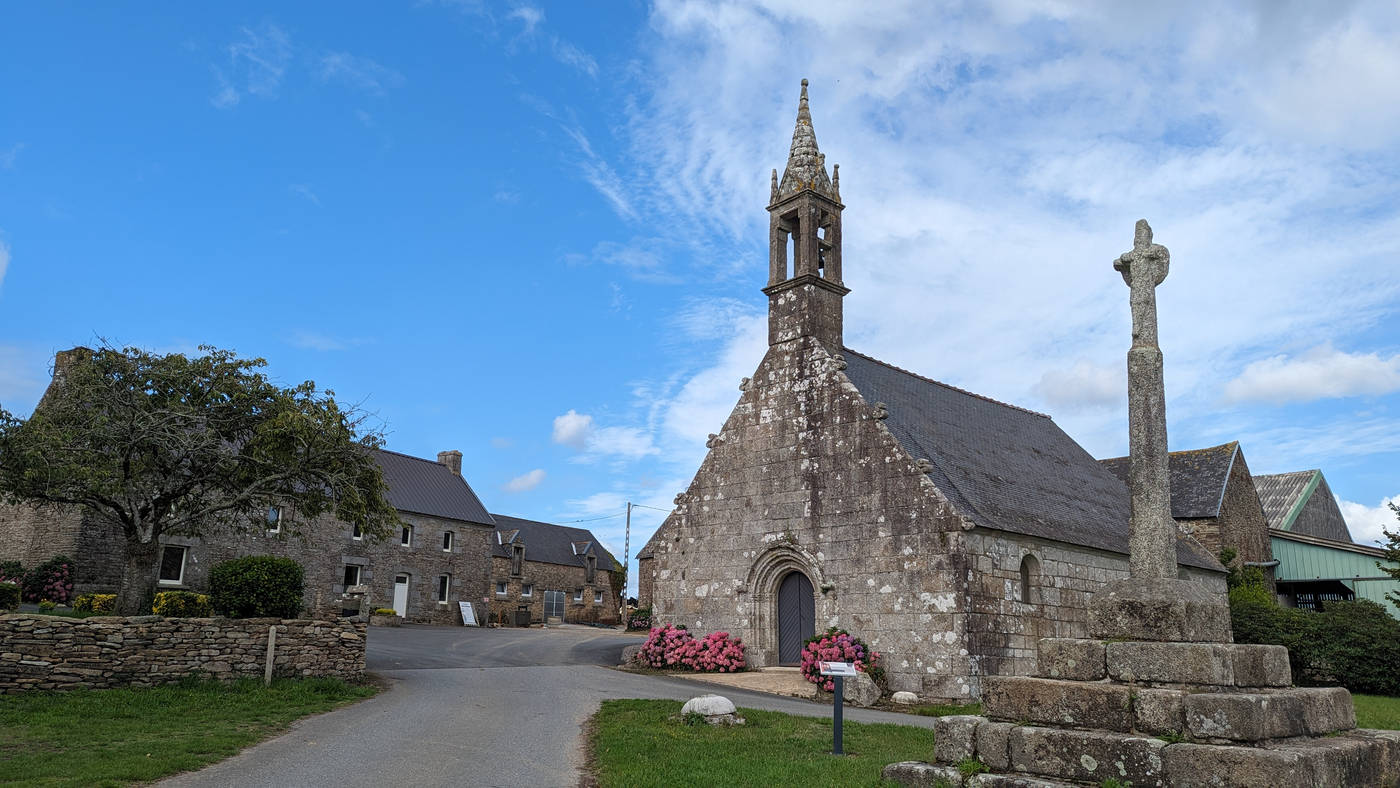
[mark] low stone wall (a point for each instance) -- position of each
(52, 652)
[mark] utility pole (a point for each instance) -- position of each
(626, 558)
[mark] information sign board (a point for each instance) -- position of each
(837, 668)
(468, 614)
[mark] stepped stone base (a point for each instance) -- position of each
(1160, 610)
(1155, 712)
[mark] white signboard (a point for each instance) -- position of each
(468, 614)
(837, 668)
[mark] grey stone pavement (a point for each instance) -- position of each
(478, 707)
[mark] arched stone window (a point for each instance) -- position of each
(1030, 572)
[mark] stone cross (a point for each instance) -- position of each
(1153, 531)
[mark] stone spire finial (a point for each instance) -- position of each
(1153, 538)
(806, 166)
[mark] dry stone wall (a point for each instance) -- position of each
(57, 653)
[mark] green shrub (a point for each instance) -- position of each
(182, 604)
(46, 605)
(9, 596)
(51, 580)
(385, 611)
(95, 603)
(11, 572)
(1357, 645)
(257, 586)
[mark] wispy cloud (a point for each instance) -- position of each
(315, 340)
(526, 481)
(599, 174)
(257, 61)
(579, 432)
(360, 72)
(305, 192)
(1321, 373)
(4, 261)
(501, 443)
(7, 158)
(531, 21)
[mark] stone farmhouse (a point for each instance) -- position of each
(949, 530)
(554, 572)
(444, 554)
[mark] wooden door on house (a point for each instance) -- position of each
(401, 594)
(797, 617)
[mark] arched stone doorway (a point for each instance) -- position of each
(797, 617)
(771, 569)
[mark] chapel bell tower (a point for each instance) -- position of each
(804, 243)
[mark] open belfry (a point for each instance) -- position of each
(1157, 694)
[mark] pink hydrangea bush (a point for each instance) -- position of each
(672, 646)
(838, 645)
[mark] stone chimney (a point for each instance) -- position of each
(63, 361)
(452, 459)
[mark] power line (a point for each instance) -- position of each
(644, 506)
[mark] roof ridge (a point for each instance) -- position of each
(1179, 451)
(948, 385)
(409, 456)
(1287, 473)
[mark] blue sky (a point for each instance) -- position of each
(535, 233)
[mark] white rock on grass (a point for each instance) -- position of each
(708, 705)
(905, 698)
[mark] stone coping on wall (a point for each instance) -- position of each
(39, 652)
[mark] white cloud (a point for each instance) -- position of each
(627, 443)
(573, 57)
(7, 158)
(361, 72)
(1366, 522)
(4, 260)
(313, 340)
(525, 481)
(501, 443)
(573, 429)
(1323, 372)
(305, 192)
(528, 16)
(256, 64)
(599, 504)
(1085, 386)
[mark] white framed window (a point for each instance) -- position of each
(578, 595)
(406, 536)
(356, 532)
(527, 590)
(501, 588)
(444, 587)
(597, 597)
(352, 575)
(447, 541)
(172, 565)
(274, 519)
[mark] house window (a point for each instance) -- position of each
(578, 595)
(172, 565)
(517, 559)
(501, 588)
(527, 590)
(597, 597)
(274, 519)
(356, 532)
(1030, 568)
(444, 585)
(447, 541)
(352, 575)
(592, 568)
(406, 536)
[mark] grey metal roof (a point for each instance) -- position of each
(429, 487)
(1005, 467)
(1198, 478)
(551, 544)
(1278, 492)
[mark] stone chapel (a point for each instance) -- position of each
(949, 530)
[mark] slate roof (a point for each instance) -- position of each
(1005, 467)
(429, 487)
(549, 543)
(1198, 478)
(1278, 492)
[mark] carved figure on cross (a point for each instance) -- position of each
(1143, 269)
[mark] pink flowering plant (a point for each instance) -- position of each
(672, 646)
(51, 581)
(838, 645)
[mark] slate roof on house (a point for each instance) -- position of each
(1005, 467)
(549, 543)
(1198, 478)
(429, 487)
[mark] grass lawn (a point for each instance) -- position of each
(1377, 711)
(644, 742)
(120, 736)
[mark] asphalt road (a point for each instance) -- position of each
(479, 707)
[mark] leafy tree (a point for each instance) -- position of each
(170, 445)
(1392, 554)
